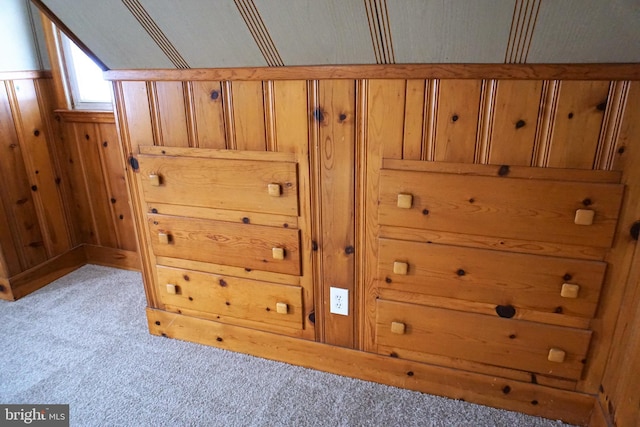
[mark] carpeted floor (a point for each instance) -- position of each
(83, 341)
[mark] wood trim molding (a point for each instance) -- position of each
(86, 116)
(392, 71)
(24, 75)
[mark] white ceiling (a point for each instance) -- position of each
(146, 34)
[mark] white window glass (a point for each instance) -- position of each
(88, 89)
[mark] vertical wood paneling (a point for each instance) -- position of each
(611, 124)
(577, 124)
(25, 249)
(136, 115)
(209, 114)
(249, 115)
(515, 121)
(336, 154)
(291, 129)
(457, 120)
(170, 114)
(81, 218)
(116, 187)
(34, 133)
(89, 150)
(414, 115)
(383, 100)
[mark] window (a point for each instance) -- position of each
(88, 90)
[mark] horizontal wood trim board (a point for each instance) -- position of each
(395, 71)
(86, 116)
(112, 257)
(534, 399)
(25, 75)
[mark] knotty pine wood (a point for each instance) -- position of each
(502, 342)
(208, 114)
(489, 390)
(231, 297)
(395, 71)
(240, 245)
(334, 115)
(169, 115)
(248, 116)
(502, 207)
(619, 317)
(494, 277)
(382, 106)
(239, 184)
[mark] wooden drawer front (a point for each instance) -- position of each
(494, 277)
(220, 183)
(231, 296)
(241, 245)
(508, 343)
(502, 207)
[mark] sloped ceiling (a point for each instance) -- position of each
(147, 34)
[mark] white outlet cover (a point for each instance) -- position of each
(339, 300)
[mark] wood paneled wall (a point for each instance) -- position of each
(539, 122)
(34, 223)
(95, 180)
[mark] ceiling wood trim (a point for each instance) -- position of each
(525, 16)
(378, 18)
(259, 32)
(25, 75)
(151, 27)
(394, 71)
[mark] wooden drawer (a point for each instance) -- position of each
(508, 343)
(231, 297)
(221, 183)
(502, 278)
(240, 245)
(536, 210)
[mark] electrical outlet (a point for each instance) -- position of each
(339, 301)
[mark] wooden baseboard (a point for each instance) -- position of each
(533, 399)
(33, 279)
(5, 290)
(111, 257)
(598, 417)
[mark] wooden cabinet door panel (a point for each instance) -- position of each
(495, 277)
(536, 210)
(231, 296)
(509, 343)
(231, 184)
(241, 245)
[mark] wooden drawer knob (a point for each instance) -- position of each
(556, 355)
(282, 308)
(398, 328)
(569, 290)
(154, 179)
(400, 267)
(277, 253)
(163, 238)
(172, 289)
(584, 217)
(405, 201)
(274, 190)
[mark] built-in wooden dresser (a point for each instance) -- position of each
(476, 220)
(513, 289)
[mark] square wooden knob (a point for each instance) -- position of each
(405, 201)
(154, 179)
(163, 238)
(398, 328)
(172, 289)
(400, 267)
(277, 253)
(569, 290)
(556, 355)
(584, 217)
(282, 308)
(274, 190)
